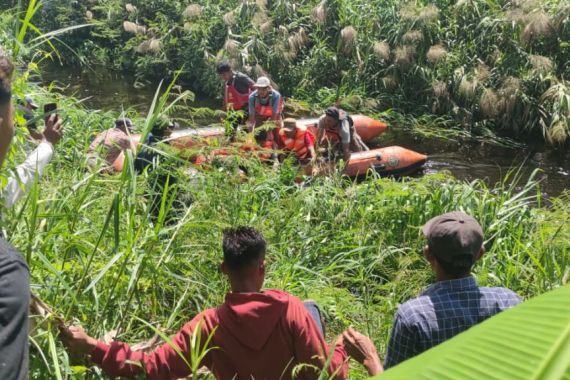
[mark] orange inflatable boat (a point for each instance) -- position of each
(367, 127)
(391, 160)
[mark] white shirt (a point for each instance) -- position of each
(24, 175)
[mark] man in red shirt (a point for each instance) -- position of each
(254, 334)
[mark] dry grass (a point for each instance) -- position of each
(231, 47)
(440, 89)
(539, 26)
(403, 56)
(153, 45)
(491, 104)
(390, 82)
(229, 18)
(541, 64)
(266, 27)
(413, 37)
(131, 27)
(467, 88)
(193, 11)
(558, 133)
(261, 4)
(382, 50)
(348, 36)
(436, 53)
(429, 13)
(409, 12)
(482, 72)
(89, 15)
(320, 12)
(259, 18)
(130, 8)
(297, 41)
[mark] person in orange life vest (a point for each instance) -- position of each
(338, 122)
(238, 87)
(265, 104)
(297, 139)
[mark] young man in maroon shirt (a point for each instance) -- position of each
(255, 334)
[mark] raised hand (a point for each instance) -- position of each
(54, 129)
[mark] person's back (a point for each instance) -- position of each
(444, 310)
(263, 336)
(455, 302)
(112, 142)
(254, 333)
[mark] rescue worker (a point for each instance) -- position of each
(299, 140)
(238, 87)
(337, 122)
(265, 104)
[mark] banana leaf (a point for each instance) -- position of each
(530, 341)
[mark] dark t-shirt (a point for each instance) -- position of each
(14, 303)
(241, 82)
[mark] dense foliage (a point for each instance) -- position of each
(496, 64)
(98, 257)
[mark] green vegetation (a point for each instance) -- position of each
(499, 65)
(97, 258)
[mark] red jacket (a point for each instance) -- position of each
(259, 336)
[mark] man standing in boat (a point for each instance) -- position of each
(238, 87)
(265, 103)
(337, 122)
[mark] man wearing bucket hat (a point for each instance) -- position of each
(337, 122)
(455, 302)
(299, 140)
(265, 103)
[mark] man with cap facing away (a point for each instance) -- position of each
(455, 302)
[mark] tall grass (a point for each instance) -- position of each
(444, 58)
(99, 258)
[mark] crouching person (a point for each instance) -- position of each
(256, 334)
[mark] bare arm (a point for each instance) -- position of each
(6, 121)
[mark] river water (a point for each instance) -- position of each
(466, 160)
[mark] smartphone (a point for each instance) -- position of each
(49, 109)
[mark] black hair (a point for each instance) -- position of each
(223, 67)
(333, 112)
(242, 246)
(459, 268)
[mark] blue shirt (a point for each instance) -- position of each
(273, 99)
(444, 310)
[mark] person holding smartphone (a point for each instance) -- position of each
(23, 178)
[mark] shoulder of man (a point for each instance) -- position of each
(8, 252)
(505, 297)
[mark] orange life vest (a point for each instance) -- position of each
(267, 110)
(237, 100)
(296, 144)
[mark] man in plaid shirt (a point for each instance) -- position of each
(455, 302)
(451, 305)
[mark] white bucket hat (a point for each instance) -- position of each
(262, 82)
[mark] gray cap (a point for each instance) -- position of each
(453, 235)
(31, 102)
(124, 121)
